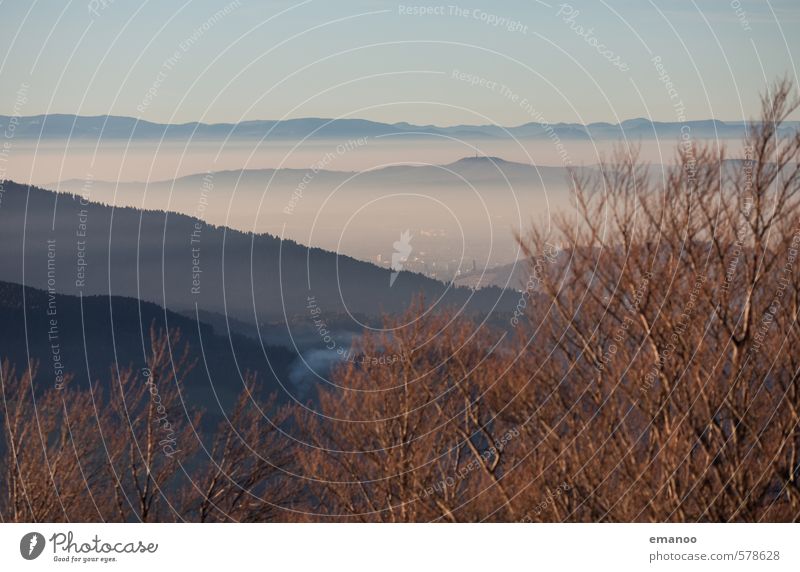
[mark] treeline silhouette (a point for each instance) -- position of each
(651, 377)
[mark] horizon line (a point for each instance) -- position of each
(404, 122)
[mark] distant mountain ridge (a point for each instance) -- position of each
(472, 168)
(471, 205)
(62, 126)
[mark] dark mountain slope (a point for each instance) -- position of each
(179, 263)
(94, 335)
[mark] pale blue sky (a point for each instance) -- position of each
(363, 58)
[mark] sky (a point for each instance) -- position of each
(505, 63)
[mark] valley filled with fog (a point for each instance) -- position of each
(461, 198)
